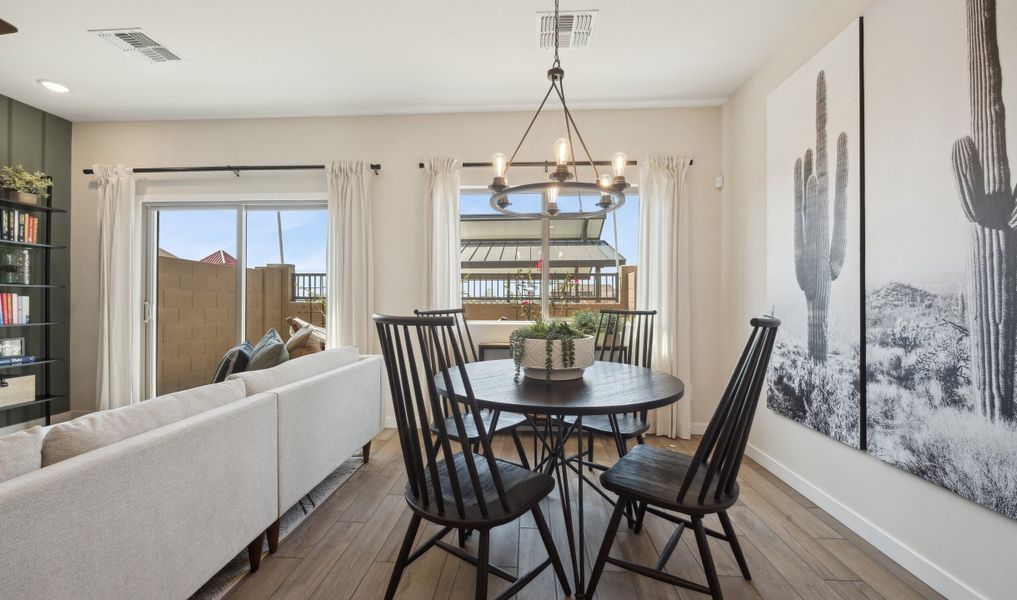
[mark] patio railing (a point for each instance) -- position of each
(499, 287)
(565, 287)
(308, 286)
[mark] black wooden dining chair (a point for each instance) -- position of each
(459, 334)
(455, 490)
(698, 485)
(624, 336)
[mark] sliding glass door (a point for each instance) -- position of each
(218, 274)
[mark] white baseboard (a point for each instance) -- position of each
(922, 568)
(390, 423)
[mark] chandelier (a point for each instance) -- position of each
(608, 188)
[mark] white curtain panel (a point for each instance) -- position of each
(444, 287)
(119, 360)
(664, 279)
(350, 293)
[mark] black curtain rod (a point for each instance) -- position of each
(545, 164)
(235, 169)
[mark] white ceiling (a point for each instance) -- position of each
(266, 58)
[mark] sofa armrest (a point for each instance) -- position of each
(323, 420)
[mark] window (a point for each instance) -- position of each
(199, 256)
(591, 262)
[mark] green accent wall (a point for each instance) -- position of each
(39, 140)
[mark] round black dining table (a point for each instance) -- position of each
(606, 389)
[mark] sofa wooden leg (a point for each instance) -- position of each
(273, 536)
(254, 552)
(367, 452)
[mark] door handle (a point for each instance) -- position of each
(146, 312)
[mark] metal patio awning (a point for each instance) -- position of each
(524, 254)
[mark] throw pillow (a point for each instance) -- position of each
(302, 342)
(21, 452)
(268, 352)
(235, 360)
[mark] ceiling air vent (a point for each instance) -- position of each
(574, 28)
(137, 44)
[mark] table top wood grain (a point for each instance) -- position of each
(606, 388)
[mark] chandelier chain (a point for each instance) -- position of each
(557, 61)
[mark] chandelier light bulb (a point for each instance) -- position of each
(605, 180)
(561, 151)
(499, 162)
(618, 162)
(552, 195)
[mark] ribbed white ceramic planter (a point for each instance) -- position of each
(534, 362)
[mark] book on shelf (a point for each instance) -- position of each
(6, 361)
(18, 226)
(15, 309)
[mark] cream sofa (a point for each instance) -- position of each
(150, 501)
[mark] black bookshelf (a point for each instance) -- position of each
(39, 291)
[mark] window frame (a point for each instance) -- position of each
(151, 204)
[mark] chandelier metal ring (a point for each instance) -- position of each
(617, 196)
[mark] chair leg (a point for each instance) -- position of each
(254, 552)
(552, 551)
(589, 444)
(523, 460)
(462, 538)
(704, 553)
(367, 452)
(483, 556)
(736, 548)
(273, 536)
(605, 546)
(640, 516)
(404, 553)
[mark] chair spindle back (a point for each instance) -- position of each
(416, 350)
(462, 328)
(720, 452)
(626, 336)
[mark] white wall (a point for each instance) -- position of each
(398, 143)
(958, 547)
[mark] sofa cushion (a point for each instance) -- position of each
(268, 352)
(235, 360)
(303, 342)
(21, 452)
(297, 369)
(99, 429)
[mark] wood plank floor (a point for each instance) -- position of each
(346, 548)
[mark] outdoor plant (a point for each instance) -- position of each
(585, 321)
(20, 179)
(566, 332)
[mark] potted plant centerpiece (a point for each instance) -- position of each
(23, 185)
(555, 350)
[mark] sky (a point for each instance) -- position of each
(194, 234)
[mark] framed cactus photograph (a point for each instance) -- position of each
(941, 241)
(814, 242)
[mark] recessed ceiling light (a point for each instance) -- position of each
(54, 86)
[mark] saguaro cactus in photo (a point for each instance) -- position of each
(982, 172)
(819, 254)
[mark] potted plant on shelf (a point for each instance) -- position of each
(553, 350)
(23, 185)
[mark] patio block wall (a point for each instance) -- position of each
(197, 316)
